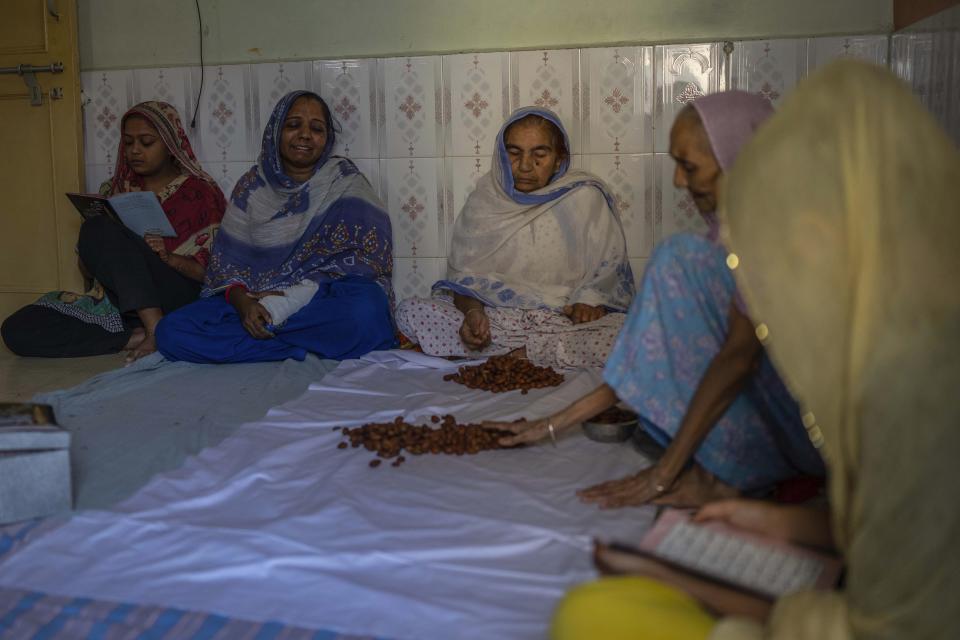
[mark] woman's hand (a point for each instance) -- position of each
(526, 432)
(156, 245)
(580, 313)
(475, 330)
(253, 315)
(631, 491)
(794, 523)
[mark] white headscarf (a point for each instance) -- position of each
(559, 245)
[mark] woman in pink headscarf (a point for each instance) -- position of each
(688, 359)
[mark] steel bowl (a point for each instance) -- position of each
(610, 431)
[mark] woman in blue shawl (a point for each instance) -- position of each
(303, 260)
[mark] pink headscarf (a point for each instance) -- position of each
(729, 118)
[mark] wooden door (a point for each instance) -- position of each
(40, 152)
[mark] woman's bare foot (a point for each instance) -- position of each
(696, 487)
(145, 348)
(136, 337)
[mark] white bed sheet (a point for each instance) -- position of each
(276, 523)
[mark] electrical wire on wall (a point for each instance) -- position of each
(193, 121)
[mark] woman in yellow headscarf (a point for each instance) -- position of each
(842, 215)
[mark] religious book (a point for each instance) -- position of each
(746, 561)
(140, 211)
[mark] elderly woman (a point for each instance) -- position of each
(133, 280)
(852, 280)
(688, 360)
(303, 261)
(538, 263)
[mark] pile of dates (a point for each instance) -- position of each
(506, 373)
(390, 439)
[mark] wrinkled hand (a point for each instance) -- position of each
(580, 313)
(525, 432)
(155, 243)
(475, 330)
(253, 315)
(758, 516)
(631, 491)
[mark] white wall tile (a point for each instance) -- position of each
(549, 79)
(630, 178)
(170, 85)
(414, 200)
(414, 276)
(618, 99)
(869, 48)
(682, 73)
(412, 111)
(95, 175)
(350, 88)
(273, 81)
(108, 95)
(769, 67)
(225, 120)
(675, 210)
(476, 101)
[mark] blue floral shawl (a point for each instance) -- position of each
(277, 232)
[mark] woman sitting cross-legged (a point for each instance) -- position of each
(688, 360)
(132, 281)
(304, 258)
(538, 263)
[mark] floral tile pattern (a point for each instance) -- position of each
(769, 67)
(422, 128)
(349, 87)
(476, 101)
(412, 113)
(549, 79)
(618, 99)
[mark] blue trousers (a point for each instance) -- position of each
(345, 319)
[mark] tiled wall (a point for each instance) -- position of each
(422, 129)
(930, 63)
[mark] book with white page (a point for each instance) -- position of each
(747, 561)
(139, 211)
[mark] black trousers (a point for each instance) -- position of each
(132, 275)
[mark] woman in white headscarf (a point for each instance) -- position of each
(843, 227)
(538, 261)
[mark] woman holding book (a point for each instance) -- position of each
(133, 280)
(688, 360)
(854, 282)
(303, 261)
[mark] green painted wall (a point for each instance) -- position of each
(150, 33)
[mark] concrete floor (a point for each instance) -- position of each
(21, 378)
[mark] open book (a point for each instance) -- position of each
(139, 211)
(746, 561)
